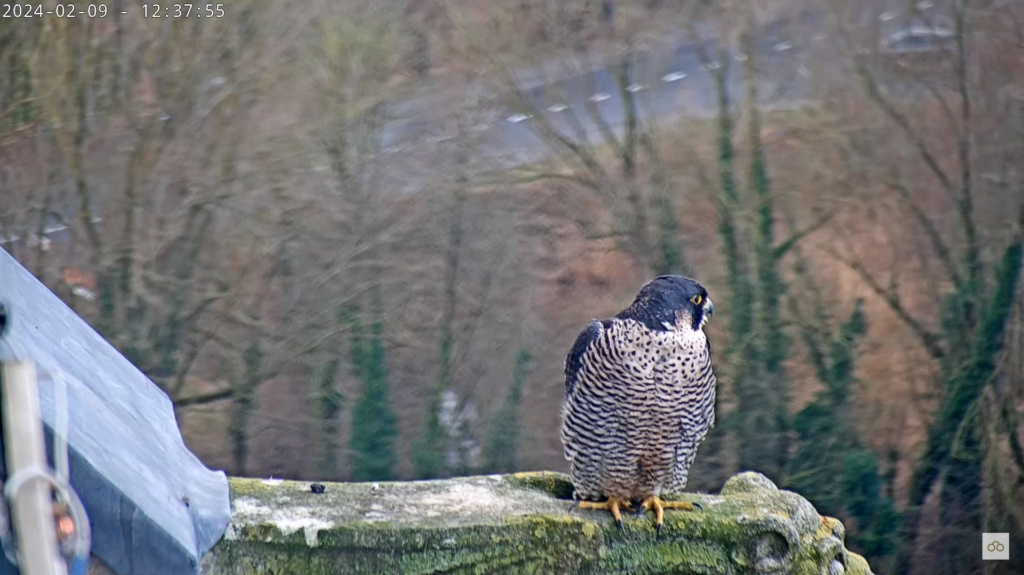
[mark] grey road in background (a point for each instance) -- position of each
(796, 58)
(668, 82)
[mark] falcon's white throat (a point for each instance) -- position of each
(703, 320)
(684, 322)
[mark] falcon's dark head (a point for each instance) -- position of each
(671, 303)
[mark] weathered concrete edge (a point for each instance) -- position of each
(517, 523)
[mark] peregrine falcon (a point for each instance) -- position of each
(639, 399)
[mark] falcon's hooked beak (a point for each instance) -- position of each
(707, 310)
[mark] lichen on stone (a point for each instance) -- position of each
(519, 523)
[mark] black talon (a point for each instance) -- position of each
(622, 528)
(657, 530)
(698, 506)
(640, 510)
(573, 507)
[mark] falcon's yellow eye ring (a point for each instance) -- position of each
(697, 299)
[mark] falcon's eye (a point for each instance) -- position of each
(697, 299)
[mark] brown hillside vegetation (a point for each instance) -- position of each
(581, 278)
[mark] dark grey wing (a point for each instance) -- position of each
(574, 361)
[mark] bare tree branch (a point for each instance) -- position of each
(204, 398)
(930, 340)
(871, 87)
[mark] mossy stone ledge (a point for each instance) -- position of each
(518, 523)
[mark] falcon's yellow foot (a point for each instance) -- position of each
(613, 504)
(659, 507)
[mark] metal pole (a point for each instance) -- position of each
(32, 507)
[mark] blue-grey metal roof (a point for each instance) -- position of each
(154, 507)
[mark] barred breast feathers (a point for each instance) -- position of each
(639, 395)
